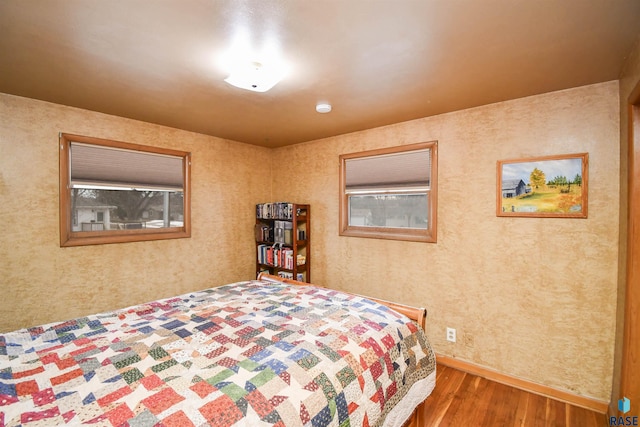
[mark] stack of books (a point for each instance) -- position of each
(276, 256)
(287, 275)
(278, 210)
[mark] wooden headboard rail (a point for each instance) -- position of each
(417, 314)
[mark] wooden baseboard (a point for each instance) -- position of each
(563, 396)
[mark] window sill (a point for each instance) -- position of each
(120, 236)
(425, 236)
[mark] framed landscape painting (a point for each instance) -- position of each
(550, 186)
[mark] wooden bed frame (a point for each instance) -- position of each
(417, 314)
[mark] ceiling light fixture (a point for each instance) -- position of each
(254, 75)
(323, 108)
(251, 68)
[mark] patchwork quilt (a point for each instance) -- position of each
(245, 354)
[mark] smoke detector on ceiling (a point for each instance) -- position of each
(323, 108)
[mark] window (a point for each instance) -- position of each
(118, 192)
(390, 193)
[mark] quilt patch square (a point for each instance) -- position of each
(221, 411)
(203, 388)
(27, 387)
(119, 415)
(177, 419)
(162, 400)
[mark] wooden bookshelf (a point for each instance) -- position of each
(283, 244)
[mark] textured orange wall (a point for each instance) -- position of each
(534, 298)
(530, 297)
(41, 282)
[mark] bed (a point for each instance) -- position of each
(266, 352)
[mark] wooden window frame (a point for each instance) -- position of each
(68, 237)
(427, 235)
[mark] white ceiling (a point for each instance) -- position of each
(376, 61)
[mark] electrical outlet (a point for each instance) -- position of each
(451, 334)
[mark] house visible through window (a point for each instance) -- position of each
(118, 192)
(390, 193)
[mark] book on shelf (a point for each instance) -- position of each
(288, 275)
(278, 225)
(281, 231)
(275, 256)
(278, 210)
(264, 233)
(278, 231)
(288, 232)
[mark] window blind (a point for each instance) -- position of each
(93, 165)
(404, 170)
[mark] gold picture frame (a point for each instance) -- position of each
(543, 187)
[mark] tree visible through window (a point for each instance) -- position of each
(118, 192)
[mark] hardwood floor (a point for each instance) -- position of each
(462, 399)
